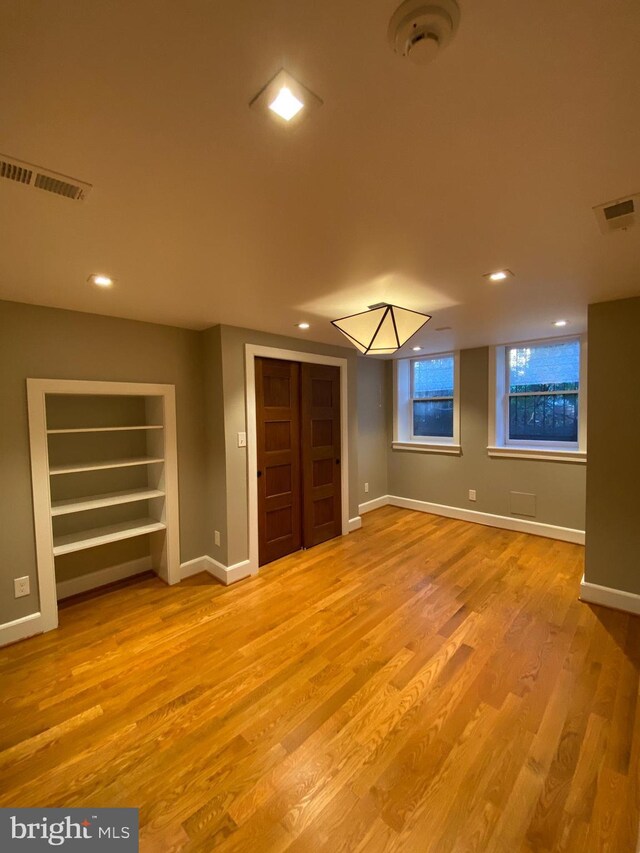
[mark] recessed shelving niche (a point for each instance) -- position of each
(104, 471)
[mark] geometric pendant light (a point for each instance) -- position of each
(382, 329)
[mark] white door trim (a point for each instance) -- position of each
(251, 353)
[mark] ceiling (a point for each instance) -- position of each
(406, 186)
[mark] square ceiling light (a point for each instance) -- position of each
(285, 99)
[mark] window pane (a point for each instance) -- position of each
(433, 377)
(552, 417)
(545, 367)
(433, 418)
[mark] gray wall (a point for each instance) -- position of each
(54, 344)
(233, 342)
(373, 440)
(559, 486)
(215, 466)
(613, 517)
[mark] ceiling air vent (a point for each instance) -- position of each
(42, 179)
(618, 215)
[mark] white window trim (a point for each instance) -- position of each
(403, 438)
(549, 451)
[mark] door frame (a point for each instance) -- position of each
(253, 351)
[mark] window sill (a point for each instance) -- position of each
(540, 453)
(428, 447)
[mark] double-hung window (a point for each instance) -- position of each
(432, 397)
(539, 400)
(426, 404)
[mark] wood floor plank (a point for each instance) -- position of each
(423, 684)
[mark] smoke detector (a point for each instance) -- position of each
(420, 30)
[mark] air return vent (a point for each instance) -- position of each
(42, 179)
(618, 215)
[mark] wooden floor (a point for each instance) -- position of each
(423, 684)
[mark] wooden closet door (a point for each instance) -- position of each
(321, 464)
(278, 440)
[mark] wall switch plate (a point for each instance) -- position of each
(472, 495)
(366, 487)
(21, 587)
(216, 537)
(242, 439)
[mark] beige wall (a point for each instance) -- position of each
(613, 514)
(559, 486)
(54, 344)
(372, 428)
(233, 342)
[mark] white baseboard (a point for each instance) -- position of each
(355, 524)
(19, 629)
(225, 574)
(194, 567)
(505, 522)
(93, 580)
(376, 503)
(618, 599)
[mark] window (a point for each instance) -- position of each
(432, 397)
(539, 399)
(426, 404)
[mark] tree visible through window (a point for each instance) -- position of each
(432, 396)
(543, 383)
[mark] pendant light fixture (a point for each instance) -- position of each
(382, 329)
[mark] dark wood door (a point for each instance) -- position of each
(278, 440)
(321, 464)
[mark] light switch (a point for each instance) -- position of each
(242, 439)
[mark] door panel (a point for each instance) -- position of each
(278, 440)
(321, 465)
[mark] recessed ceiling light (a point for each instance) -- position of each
(101, 280)
(560, 323)
(416, 349)
(284, 99)
(303, 325)
(285, 104)
(498, 275)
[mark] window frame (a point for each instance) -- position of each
(403, 399)
(499, 442)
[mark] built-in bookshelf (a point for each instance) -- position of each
(104, 470)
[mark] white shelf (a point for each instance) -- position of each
(103, 429)
(70, 505)
(101, 466)
(103, 535)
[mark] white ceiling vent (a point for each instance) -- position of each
(42, 179)
(618, 215)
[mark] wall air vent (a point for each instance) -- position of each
(42, 179)
(618, 215)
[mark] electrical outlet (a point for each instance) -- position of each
(472, 495)
(366, 487)
(21, 587)
(242, 439)
(216, 537)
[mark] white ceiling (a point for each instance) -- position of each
(406, 186)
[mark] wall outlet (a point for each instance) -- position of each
(21, 587)
(242, 439)
(216, 537)
(366, 487)
(472, 495)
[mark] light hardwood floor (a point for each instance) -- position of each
(423, 684)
